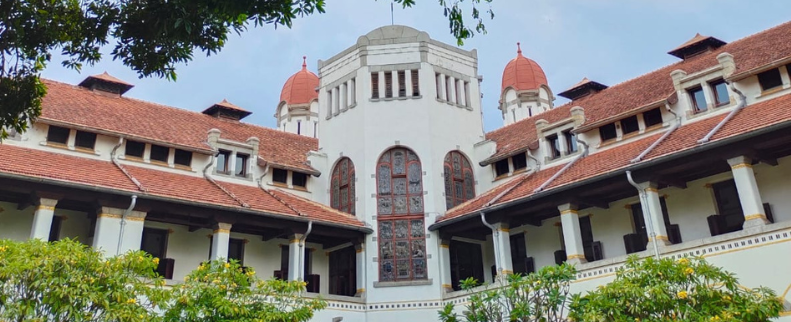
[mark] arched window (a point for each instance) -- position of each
(402, 232)
(342, 189)
(459, 181)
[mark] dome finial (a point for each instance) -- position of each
(519, 48)
(304, 62)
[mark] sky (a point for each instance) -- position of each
(608, 41)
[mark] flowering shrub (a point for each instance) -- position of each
(687, 289)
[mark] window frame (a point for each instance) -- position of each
(224, 169)
(452, 180)
(54, 128)
(294, 176)
(375, 86)
(713, 85)
(184, 154)
(388, 84)
(151, 153)
(497, 167)
(693, 98)
(245, 164)
(768, 72)
(632, 121)
(83, 137)
(274, 176)
(415, 82)
(571, 141)
(401, 83)
(347, 183)
(645, 119)
(614, 132)
(387, 162)
(142, 149)
(553, 142)
(519, 157)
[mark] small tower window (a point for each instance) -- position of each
(388, 84)
(415, 83)
(375, 85)
(607, 132)
(401, 83)
(630, 125)
(85, 140)
(57, 134)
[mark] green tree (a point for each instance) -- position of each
(689, 289)
(224, 291)
(541, 296)
(151, 37)
(69, 281)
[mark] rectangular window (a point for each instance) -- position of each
(154, 242)
(353, 85)
(415, 83)
(299, 127)
(85, 140)
(448, 84)
(279, 175)
(135, 149)
(159, 153)
(439, 85)
(554, 146)
(375, 85)
(630, 125)
(57, 134)
(182, 157)
(467, 94)
(652, 117)
(720, 89)
(519, 161)
(698, 98)
(457, 89)
(223, 157)
(241, 165)
(401, 83)
(299, 179)
(236, 250)
(54, 228)
(607, 132)
(388, 84)
(770, 79)
(571, 141)
(501, 167)
(729, 207)
(330, 108)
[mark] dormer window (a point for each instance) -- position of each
(85, 140)
(519, 161)
(571, 141)
(630, 125)
(299, 179)
(501, 167)
(698, 98)
(135, 149)
(159, 153)
(223, 158)
(58, 135)
(183, 158)
(770, 79)
(241, 165)
(554, 146)
(607, 132)
(652, 117)
(720, 89)
(280, 176)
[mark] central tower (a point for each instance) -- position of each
(395, 111)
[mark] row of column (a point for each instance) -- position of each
(743, 176)
(453, 90)
(341, 97)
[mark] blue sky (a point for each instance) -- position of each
(608, 41)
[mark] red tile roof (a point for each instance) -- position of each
(523, 73)
(751, 118)
(197, 190)
(519, 136)
(300, 88)
(158, 123)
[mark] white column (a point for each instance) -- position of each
(360, 271)
(396, 85)
(502, 234)
(344, 96)
(221, 237)
(42, 218)
(749, 196)
(652, 210)
(294, 260)
(444, 257)
(570, 220)
(408, 82)
(441, 89)
(452, 89)
(108, 233)
(335, 100)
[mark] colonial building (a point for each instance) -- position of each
(380, 188)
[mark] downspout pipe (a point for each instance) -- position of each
(566, 167)
(646, 212)
(495, 241)
(301, 268)
(739, 107)
(661, 139)
(123, 223)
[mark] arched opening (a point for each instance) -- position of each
(342, 192)
(459, 179)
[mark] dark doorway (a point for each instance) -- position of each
(466, 260)
(729, 208)
(343, 272)
(521, 263)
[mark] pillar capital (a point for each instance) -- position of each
(45, 203)
(740, 162)
(118, 213)
(222, 228)
(568, 208)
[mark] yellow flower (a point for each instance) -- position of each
(131, 301)
(683, 261)
(682, 295)
(186, 278)
(726, 298)
(156, 261)
(227, 265)
(689, 271)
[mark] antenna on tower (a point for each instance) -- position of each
(392, 16)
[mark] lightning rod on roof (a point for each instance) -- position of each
(392, 15)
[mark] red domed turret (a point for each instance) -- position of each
(523, 73)
(300, 88)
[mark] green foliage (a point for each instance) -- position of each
(541, 296)
(152, 37)
(222, 291)
(69, 281)
(689, 289)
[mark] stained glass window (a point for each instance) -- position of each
(342, 186)
(459, 180)
(402, 231)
